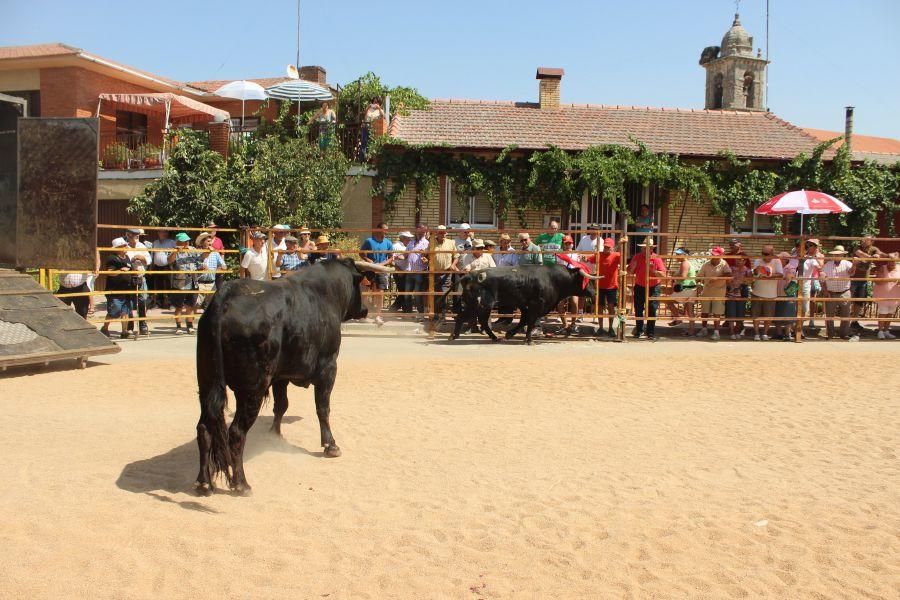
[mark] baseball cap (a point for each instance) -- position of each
(478, 244)
(407, 234)
(182, 237)
(281, 227)
(464, 226)
(441, 228)
(717, 251)
(593, 226)
(679, 251)
(119, 242)
(490, 243)
(289, 239)
(524, 235)
(256, 235)
(814, 241)
(568, 238)
(304, 230)
(609, 242)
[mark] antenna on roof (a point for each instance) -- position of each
(298, 34)
(767, 57)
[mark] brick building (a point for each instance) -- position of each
(59, 80)
(735, 119)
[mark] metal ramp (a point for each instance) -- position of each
(36, 327)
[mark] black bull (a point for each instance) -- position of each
(257, 335)
(533, 289)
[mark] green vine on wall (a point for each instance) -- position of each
(556, 180)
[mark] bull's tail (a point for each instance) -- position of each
(212, 433)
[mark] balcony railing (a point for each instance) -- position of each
(129, 151)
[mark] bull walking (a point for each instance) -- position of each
(258, 335)
(534, 289)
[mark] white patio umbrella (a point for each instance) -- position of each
(242, 90)
(297, 90)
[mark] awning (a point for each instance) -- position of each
(177, 109)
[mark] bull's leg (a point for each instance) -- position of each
(457, 325)
(247, 410)
(204, 483)
(279, 393)
(484, 319)
(323, 389)
(533, 318)
(522, 320)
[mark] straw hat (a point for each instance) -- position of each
(838, 249)
(202, 237)
(504, 236)
(648, 241)
(323, 239)
(813, 241)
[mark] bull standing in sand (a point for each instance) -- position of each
(258, 335)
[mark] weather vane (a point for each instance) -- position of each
(737, 6)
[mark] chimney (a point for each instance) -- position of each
(548, 91)
(848, 127)
(313, 73)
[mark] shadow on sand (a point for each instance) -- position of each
(176, 470)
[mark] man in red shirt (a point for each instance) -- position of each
(608, 287)
(646, 281)
(735, 250)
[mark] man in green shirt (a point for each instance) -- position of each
(534, 251)
(550, 243)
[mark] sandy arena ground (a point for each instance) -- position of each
(567, 470)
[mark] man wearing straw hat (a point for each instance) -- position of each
(446, 258)
(118, 306)
(859, 290)
(140, 258)
(647, 277)
(835, 277)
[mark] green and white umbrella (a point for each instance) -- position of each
(297, 90)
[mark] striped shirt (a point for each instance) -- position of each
(416, 251)
(72, 280)
(836, 275)
(212, 262)
(291, 262)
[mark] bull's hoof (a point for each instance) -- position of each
(495, 339)
(242, 489)
(509, 335)
(204, 489)
(332, 451)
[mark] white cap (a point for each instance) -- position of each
(441, 228)
(464, 226)
(119, 242)
(281, 227)
(405, 234)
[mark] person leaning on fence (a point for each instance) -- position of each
(766, 273)
(550, 243)
(712, 280)
(212, 262)
(75, 283)
(886, 293)
(505, 255)
(304, 244)
(161, 282)
(737, 256)
(647, 277)
(216, 242)
(786, 306)
(480, 258)
(736, 303)
(377, 249)
(811, 263)
(607, 267)
(532, 251)
(184, 258)
(446, 258)
(835, 278)
(118, 306)
(684, 289)
(416, 264)
(399, 262)
(864, 267)
(324, 251)
(140, 258)
(255, 263)
(288, 260)
(279, 233)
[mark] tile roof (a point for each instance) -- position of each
(36, 51)
(494, 125)
(866, 144)
(212, 85)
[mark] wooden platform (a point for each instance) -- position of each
(36, 327)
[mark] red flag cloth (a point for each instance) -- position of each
(578, 265)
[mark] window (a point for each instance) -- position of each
(477, 210)
(250, 124)
(33, 97)
(131, 126)
(749, 92)
(755, 224)
(718, 92)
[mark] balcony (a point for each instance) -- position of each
(125, 152)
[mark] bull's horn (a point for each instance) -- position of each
(367, 266)
(587, 275)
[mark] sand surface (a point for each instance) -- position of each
(565, 470)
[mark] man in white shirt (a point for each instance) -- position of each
(766, 273)
(255, 262)
(480, 260)
(279, 232)
(398, 259)
(140, 259)
(835, 279)
(161, 282)
(588, 243)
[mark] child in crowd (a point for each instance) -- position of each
(740, 276)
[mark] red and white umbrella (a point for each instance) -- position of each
(803, 202)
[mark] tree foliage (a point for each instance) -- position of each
(355, 97)
(274, 176)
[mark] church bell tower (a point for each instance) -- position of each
(735, 78)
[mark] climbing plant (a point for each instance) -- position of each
(555, 179)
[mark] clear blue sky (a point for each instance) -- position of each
(825, 53)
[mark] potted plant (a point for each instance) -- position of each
(116, 156)
(150, 154)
